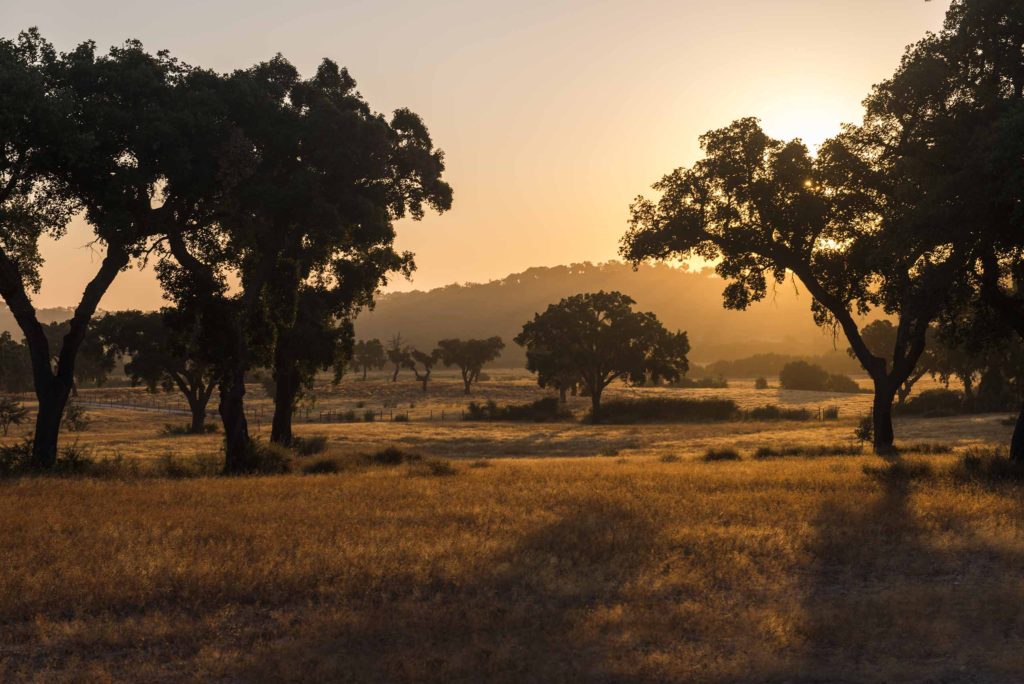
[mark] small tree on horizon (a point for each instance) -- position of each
(414, 358)
(599, 339)
(369, 354)
(470, 356)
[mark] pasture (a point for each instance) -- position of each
(545, 552)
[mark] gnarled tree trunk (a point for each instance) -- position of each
(286, 389)
(237, 444)
(881, 416)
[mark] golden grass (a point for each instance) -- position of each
(529, 570)
(555, 563)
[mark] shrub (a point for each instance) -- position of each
(360, 404)
(11, 413)
(721, 455)
(268, 458)
(540, 411)
(369, 416)
(349, 416)
(307, 446)
(15, 458)
(927, 448)
(761, 384)
(664, 409)
(865, 430)
(933, 403)
(75, 418)
(773, 412)
(801, 375)
(72, 460)
(321, 466)
(669, 458)
(392, 456)
(433, 468)
(830, 413)
(842, 383)
(401, 418)
(821, 450)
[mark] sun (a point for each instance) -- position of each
(813, 117)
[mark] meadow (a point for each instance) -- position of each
(537, 553)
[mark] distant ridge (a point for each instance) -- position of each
(54, 315)
(683, 299)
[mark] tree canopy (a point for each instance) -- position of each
(470, 356)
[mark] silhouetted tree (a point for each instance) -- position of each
(369, 354)
(470, 356)
(15, 365)
(763, 209)
(107, 134)
(93, 363)
(159, 349)
(950, 121)
(600, 339)
(315, 184)
(415, 358)
(880, 338)
(397, 354)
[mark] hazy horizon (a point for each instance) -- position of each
(523, 96)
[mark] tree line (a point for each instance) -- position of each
(916, 211)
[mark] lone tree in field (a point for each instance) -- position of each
(369, 355)
(599, 339)
(159, 352)
(414, 359)
(470, 356)
(764, 209)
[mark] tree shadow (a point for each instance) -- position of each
(892, 597)
(520, 618)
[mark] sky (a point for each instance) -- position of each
(553, 114)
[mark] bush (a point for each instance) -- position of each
(818, 451)
(15, 458)
(268, 458)
(321, 466)
(865, 430)
(369, 416)
(926, 448)
(433, 468)
(669, 458)
(801, 375)
(392, 456)
(761, 384)
(721, 455)
(75, 418)
(307, 446)
(842, 383)
(773, 412)
(401, 418)
(830, 413)
(658, 409)
(933, 403)
(11, 413)
(540, 411)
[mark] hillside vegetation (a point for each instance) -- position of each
(682, 299)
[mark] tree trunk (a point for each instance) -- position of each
(286, 390)
(595, 405)
(881, 417)
(561, 395)
(364, 372)
(394, 376)
(1017, 441)
(237, 445)
(52, 398)
(467, 378)
(198, 408)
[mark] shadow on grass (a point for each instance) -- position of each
(888, 598)
(516, 621)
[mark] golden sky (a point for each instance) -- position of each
(553, 114)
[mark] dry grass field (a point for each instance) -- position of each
(545, 553)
